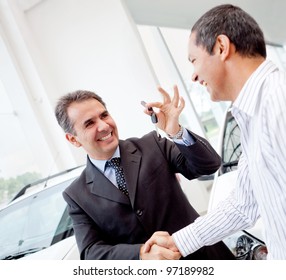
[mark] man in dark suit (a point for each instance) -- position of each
(110, 223)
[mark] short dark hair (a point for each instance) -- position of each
(65, 101)
(241, 29)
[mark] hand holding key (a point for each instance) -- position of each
(169, 111)
(154, 118)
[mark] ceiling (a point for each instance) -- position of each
(183, 13)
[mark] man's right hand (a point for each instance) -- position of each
(162, 239)
(159, 253)
(168, 111)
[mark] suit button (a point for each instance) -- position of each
(139, 212)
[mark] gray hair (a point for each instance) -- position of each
(65, 101)
(241, 29)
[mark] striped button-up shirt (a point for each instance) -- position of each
(260, 111)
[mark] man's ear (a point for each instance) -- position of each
(223, 46)
(72, 139)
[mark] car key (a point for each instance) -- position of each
(154, 118)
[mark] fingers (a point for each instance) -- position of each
(162, 239)
(161, 233)
(152, 104)
(168, 113)
(168, 254)
(154, 239)
(166, 96)
(160, 253)
(178, 101)
(182, 104)
(160, 246)
(147, 246)
(166, 100)
(164, 253)
(175, 99)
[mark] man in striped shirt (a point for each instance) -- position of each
(228, 52)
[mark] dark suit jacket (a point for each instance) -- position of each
(109, 225)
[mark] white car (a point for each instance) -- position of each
(246, 244)
(36, 224)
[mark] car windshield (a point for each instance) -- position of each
(34, 223)
(231, 144)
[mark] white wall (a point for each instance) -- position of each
(87, 44)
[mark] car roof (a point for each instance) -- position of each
(50, 181)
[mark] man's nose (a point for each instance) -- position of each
(194, 77)
(102, 125)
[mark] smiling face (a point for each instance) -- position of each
(209, 69)
(95, 129)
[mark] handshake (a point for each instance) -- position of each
(160, 246)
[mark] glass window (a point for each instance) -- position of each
(231, 149)
(168, 56)
(17, 157)
(22, 140)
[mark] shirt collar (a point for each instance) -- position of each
(100, 164)
(248, 96)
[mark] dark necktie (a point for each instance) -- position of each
(115, 163)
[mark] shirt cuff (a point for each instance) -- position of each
(186, 241)
(187, 139)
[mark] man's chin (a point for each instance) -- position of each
(112, 145)
(213, 96)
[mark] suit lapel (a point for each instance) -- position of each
(131, 160)
(101, 186)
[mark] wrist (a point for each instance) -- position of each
(178, 135)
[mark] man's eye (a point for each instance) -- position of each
(89, 124)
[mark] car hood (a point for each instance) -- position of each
(63, 250)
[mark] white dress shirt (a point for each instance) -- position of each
(260, 111)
